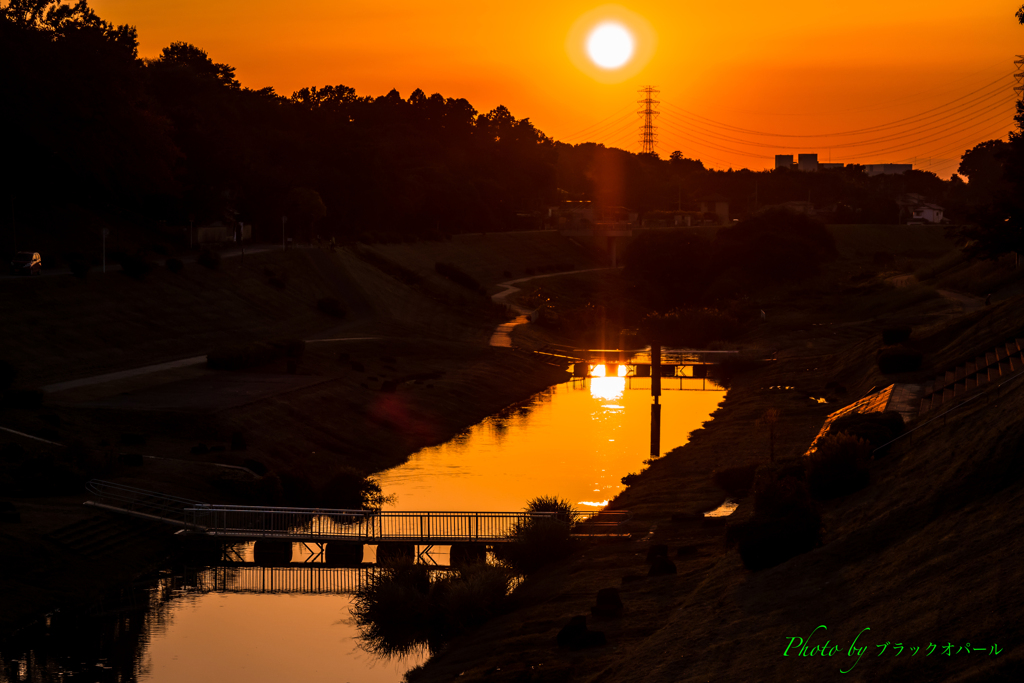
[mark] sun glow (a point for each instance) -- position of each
(607, 388)
(610, 45)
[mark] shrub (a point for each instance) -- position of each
(765, 543)
(775, 245)
(838, 466)
(894, 359)
(459, 277)
(876, 428)
(539, 541)
(785, 524)
(348, 489)
(777, 496)
(331, 306)
(562, 508)
(895, 335)
(654, 258)
(134, 266)
(209, 259)
(534, 545)
(174, 265)
(79, 265)
(736, 481)
(693, 327)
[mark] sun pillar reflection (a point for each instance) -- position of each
(604, 387)
(655, 405)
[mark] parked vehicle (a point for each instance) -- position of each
(26, 263)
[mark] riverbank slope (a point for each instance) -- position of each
(925, 557)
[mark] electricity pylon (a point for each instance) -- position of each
(648, 132)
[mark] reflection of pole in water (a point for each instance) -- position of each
(655, 406)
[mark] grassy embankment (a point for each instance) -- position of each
(420, 373)
(927, 553)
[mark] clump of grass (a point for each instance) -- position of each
(838, 466)
(539, 541)
(736, 481)
(405, 607)
(786, 522)
(209, 259)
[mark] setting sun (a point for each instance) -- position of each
(610, 45)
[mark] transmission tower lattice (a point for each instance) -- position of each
(648, 132)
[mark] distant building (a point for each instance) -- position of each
(925, 213)
(807, 162)
(887, 169)
(715, 208)
(218, 232)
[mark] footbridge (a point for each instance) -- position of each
(321, 525)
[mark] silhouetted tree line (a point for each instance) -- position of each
(647, 183)
(96, 136)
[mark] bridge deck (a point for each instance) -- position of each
(320, 525)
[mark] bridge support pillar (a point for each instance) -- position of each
(271, 552)
(467, 553)
(390, 551)
(343, 554)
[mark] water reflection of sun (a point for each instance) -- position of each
(607, 388)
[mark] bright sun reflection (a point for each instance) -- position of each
(610, 45)
(607, 388)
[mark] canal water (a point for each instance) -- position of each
(575, 440)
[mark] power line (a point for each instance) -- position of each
(956, 112)
(870, 129)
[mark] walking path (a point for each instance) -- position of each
(502, 336)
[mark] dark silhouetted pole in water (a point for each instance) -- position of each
(655, 406)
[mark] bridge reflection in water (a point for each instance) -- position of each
(302, 580)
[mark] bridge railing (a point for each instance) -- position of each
(328, 524)
(135, 500)
(246, 521)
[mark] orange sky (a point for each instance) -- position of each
(792, 67)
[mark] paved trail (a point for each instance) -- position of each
(502, 334)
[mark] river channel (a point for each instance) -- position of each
(576, 440)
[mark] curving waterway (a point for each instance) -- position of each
(575, 440)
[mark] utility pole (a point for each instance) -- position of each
(648, 131)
